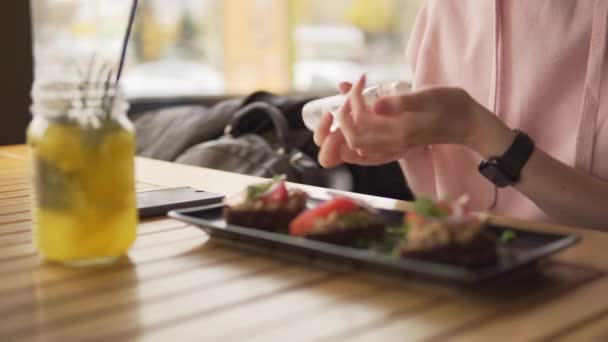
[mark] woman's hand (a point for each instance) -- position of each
(396, 124)
(334, 149)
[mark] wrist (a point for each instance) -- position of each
(489, 135)
(505, 169)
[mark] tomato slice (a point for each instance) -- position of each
(444, 206)
(304, 222)
(278, 193)
(415, 218)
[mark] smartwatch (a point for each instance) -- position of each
(505, 170)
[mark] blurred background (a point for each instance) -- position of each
(187, 56)
(231, 47)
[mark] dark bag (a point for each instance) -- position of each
(245, 149)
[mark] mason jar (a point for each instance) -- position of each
(82, 148)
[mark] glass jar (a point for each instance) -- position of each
(82, 150)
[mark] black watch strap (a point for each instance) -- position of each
(516, 156)
(506, 169)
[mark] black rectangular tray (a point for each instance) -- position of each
(527, 248)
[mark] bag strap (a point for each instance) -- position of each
(247, 113)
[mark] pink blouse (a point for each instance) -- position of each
(538, 64)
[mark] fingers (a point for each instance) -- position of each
(360, 126)
(343, 114)
(369, 144)
(329, 155)
(344, 87)
(370, 135)
(358, 107)
(347, 118)
(335, 151)
(323, 129)
(349, 156)
(390, 105)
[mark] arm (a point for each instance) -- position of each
(396, 126)
(564, 193)
(417, 167)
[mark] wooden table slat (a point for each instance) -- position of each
(571, 307)
(15, 239)
(473, 309)
(14, 181)
(25, 187)
(101, 295)
(15, 151)
(9, 253)
(50, 274)
(9, 163)
(20, 224)
(16, 217)
(250, 317)
(13, 172)
(207, 298)
(15, 200)
(16, 227)
(75, 285)
(14, 208)
(14, 194)
(347, 315)
(21, 178)
(15, 186)
(16, 257)
(593, 329)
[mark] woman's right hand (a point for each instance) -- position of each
(334, 149)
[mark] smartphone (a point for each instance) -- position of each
(159, 202)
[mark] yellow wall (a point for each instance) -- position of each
(257, 45)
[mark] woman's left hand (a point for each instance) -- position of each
(437, 115)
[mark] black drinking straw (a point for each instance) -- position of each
(125, 41)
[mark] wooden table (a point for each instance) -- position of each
(177, 285)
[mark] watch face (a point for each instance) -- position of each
(495, 174)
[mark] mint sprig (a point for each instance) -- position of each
(508, 236)
(425, 206)
(258, 190)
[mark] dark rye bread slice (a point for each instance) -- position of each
(480, 251)
(341, 236)
(271, 217)
(345, 228)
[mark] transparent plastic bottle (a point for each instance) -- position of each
(313, 110)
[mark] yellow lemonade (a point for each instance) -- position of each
(84, 207)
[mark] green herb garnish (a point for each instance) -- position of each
(389, 244)
(507, 236)
(427, 207)
(397, 232)
(355, 218)
(258, 190)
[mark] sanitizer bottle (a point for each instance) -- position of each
(313, 110)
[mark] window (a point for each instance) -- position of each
(213, 47)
